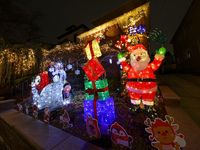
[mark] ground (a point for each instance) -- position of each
(134, 125)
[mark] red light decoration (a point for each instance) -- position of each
(44, 80)
(141, 81)
(93, 69)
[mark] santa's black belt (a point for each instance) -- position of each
(140, 80)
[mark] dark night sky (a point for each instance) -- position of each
(166, 15)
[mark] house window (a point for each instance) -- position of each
(177, 60)
(187, 28)
(188, 53)
(198, 43)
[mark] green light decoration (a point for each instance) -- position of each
(120, 55)
(158, 36)
(100, 84)
(161, 51)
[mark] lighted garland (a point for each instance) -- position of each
(68, 52)
(158, 36)
(16, 62)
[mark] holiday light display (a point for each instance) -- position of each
(98, 104)
(132, 30)
(141, 29)
(92, 49)
(16, 62)
(42, 80)
(139, 14)
(51, 94)
(93, 69)
(66, 93)
(158, 36)
(141, 81)
(77, 72)
(101, 88)
(105, 110)
(61, 72)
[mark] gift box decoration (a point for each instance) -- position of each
(92, 49)
(101, 87)
(93, 69)
(105, 110)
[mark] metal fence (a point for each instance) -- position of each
(18, 91)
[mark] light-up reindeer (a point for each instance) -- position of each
(164, 134)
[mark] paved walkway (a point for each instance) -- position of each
(42, 135)
(187, 115)
(187, 87)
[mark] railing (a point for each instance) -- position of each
(21, 89)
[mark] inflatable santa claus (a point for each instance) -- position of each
(141, 81)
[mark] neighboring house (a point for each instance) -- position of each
(186, 41)
(71, 33)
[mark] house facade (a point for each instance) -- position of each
(186, 41)
(115, 23)
(71, 33)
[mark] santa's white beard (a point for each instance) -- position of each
(140, 65)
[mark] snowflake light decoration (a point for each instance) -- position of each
(77, 72)
(69, 66)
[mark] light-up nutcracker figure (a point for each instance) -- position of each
(141, 81)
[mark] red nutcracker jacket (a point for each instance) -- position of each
(135, 78)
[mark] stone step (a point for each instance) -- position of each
(170, 98)
(26, 132)
(187, 126)
(6, 104)
(2, 98)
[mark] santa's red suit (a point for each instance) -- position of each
(142, 83)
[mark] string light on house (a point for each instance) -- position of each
(110, 60)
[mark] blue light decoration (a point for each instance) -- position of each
(105, 110)
(141, 29)
(132, 30)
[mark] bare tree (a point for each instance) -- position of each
(16, 25)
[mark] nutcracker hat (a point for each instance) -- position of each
(134, 47)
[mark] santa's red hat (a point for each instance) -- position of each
(134, 47)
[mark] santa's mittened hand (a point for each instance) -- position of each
(120, 55)
(161, 51)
